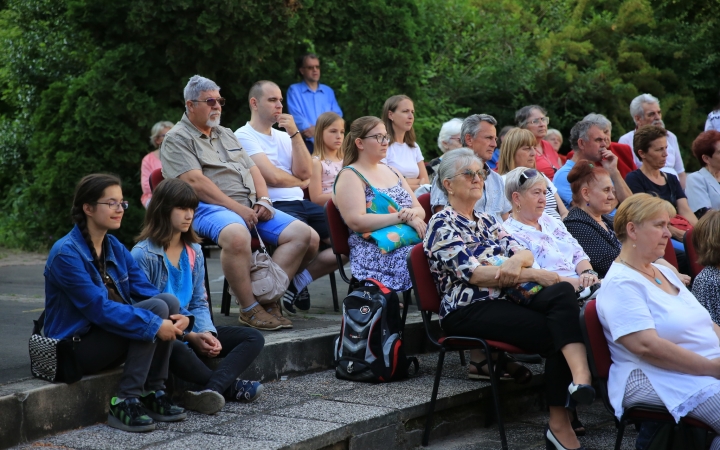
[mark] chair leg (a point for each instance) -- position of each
(433, 398)
(333, 288)
(621, 431)
(496, 397)
(207, 289)
(462, 358)
(225, 307)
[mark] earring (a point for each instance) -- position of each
(634, 245)
(450, 192)
(519, 206)
(587, 204)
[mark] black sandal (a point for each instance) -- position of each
(577, 426)
(521, 374)
(484, 375)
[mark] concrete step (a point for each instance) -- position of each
(318, 411)
(32, 408)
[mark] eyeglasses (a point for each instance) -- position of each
(470, 174)
(380, 138)
(117, 206)
(545, 120)
(455, 139)
(211, 101)
(527, 174)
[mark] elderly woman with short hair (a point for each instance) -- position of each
(551, 244)
(474, 262)
(535, 119)
(448, 139)
(151, 161)
(664, 346)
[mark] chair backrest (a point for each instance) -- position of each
(424, 201)
(426, 291)
(597, 346)
(155, 178)
(692, 256)
(670, 254)
(339, 232)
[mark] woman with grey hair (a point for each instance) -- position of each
(535, 119)
(448, 139)
(151, 161)
(475, 264)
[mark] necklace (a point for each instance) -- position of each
(657, 280)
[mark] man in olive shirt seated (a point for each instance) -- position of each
(233, 199)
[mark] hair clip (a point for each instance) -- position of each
(591, 165)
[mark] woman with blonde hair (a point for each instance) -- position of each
(327, 157)
(518, 150)
(664, 346)
(378, 206)
(403, 151)
(151, 161)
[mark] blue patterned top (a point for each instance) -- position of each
(455, 247)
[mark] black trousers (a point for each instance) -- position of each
(146, 363)
(545, 326)
(240, 347)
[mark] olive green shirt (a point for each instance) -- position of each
(220, 157)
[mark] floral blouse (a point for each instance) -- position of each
(553, 247)
(330, 169)
(455, 247)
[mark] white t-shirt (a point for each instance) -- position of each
(713, 121)
(278, 148)
(673, 163)
(627, 303)
(404, 158)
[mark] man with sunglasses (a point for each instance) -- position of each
(588, 141)
(308, 99)
(478, 133)
(286, 166)
(233, 199)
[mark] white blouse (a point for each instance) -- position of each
(553, 247)
(404, 158)
(629, 302)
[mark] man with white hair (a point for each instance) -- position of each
(645, 110)
(233, 200)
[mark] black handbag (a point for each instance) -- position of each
(53, 359)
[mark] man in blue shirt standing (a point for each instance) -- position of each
(308, 99)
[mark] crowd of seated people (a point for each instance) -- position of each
(512, 246)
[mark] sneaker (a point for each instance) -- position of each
(161, 408)
(246, 390)
(288, 299)
(204, 402)
(276, 311)
(259, 318)
(302, 300)
(129, 415)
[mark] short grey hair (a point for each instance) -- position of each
(553, 131)
(636, 108)
(196, 85)
(452, 126)
(157, 129)
(580, 131)
(471, 126)
(512, 181)
(600, 119)
(523, 114)
(452, 162)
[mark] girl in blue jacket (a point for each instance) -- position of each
(95, 292)
(169, 254)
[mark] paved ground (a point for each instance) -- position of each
(22, 292)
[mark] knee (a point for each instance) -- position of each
(314, 239)
(171, 301)
(235, 239)
(299, 234)
(157, 306)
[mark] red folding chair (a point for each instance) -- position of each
(599, 361)
(155, 178)
(670, 255)
(424, 200)
(692, 256)
(428, 301)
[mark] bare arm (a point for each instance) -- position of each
(208, 192)
(275, 176)
(301, 159)
(609, 162)
(315, 186)
(259, 182)
(352, 205)
(682, 177)
(662, 353)
(683, 208)
(561, 206)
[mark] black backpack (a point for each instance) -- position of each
(370, 346)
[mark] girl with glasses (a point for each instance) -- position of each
(97, 295)
(169, 254)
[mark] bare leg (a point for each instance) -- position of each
(559, 423)
(235, 261)
(293, 247)
(323, 264)
(576, 357)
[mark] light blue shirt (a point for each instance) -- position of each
(306, 105)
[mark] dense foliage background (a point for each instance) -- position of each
(83, 81)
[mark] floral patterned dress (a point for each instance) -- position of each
(366, 259)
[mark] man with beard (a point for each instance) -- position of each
(645, 110)
(478, 133)
(233, 199)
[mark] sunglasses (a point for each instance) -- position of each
(212, 101)
(470, 174)
(527, 174)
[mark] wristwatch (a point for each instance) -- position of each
(267, 199)
(590, 271)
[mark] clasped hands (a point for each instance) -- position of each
(508, 274)
(172, 327)
(410, 217)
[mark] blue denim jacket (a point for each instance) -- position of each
(76, 297)
(150, 258)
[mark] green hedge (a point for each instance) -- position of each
(83, 80)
